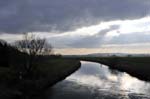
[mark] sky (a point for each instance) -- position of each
(80, 26)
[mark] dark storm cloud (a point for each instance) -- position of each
(17, 16)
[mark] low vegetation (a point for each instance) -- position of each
(24, 74)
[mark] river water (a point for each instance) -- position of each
(96, 81)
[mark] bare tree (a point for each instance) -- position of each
(33, 46)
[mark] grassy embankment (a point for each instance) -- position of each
(45, 74)
(16, 80)
(135, 66)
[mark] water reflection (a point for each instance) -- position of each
(95, 81)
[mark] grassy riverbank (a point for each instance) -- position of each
(23, 74)
(135, 66)
(45, 74)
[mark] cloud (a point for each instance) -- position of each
(95, 40)
(123, 39)
(130, 38)
(20, 16)
(127, 32)
(123, 33)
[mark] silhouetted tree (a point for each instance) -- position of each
(33, 46)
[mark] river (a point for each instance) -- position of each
(96, 81)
